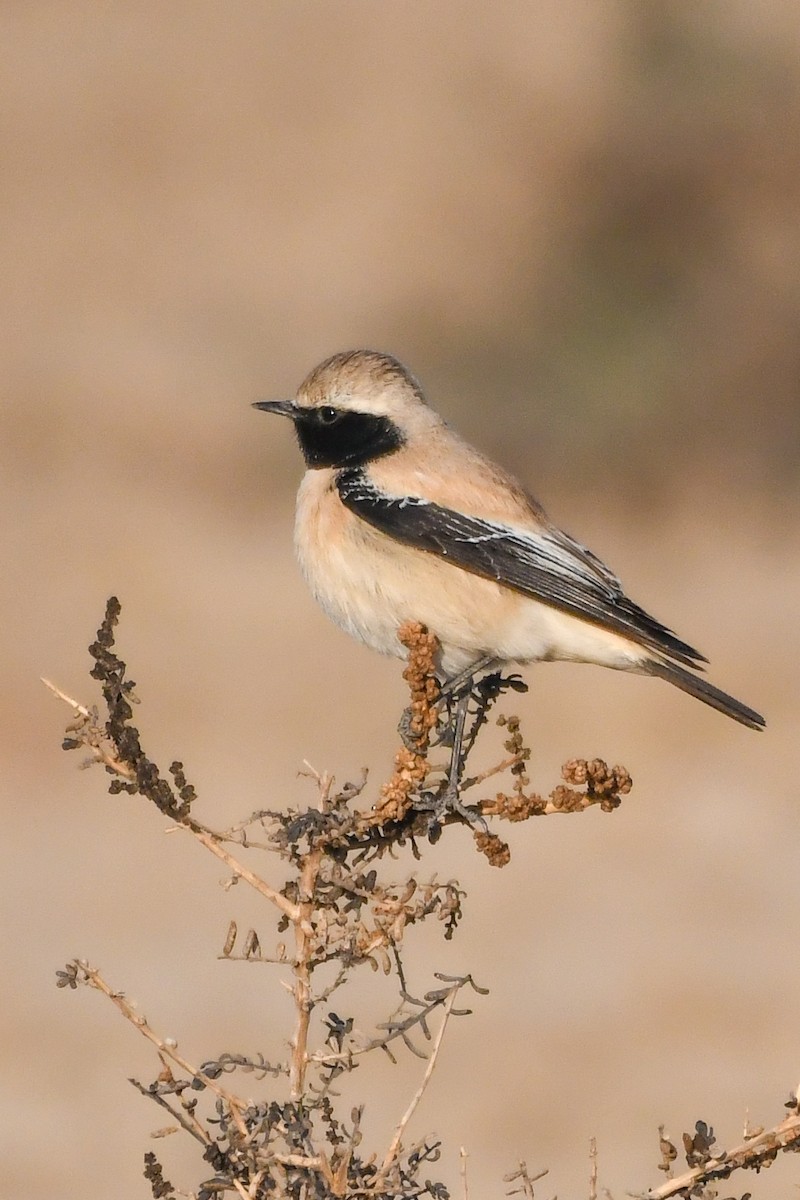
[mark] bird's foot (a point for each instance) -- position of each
(409, 738)
(447, 802)
(440, 735)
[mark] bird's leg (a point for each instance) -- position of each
(485, 693)
(449, 801)
(450, 796)
(452, 686)
(456, 693)
(448, 691)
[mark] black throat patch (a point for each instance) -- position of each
(335, 437)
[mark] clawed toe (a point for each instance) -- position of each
(448, 803)
(409, 739)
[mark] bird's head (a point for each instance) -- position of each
(354, 407)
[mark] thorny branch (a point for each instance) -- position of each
(339, 911)
(342, 912)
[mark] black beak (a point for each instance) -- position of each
(284, 408)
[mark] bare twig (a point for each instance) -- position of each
(394, 1147)
(525, 1180)
(206, 837)
(593, 1168)
(211, 842)
(505, 763)
(187, 1120)
(166, 1048)
(80, 709)
(302, 971)
(462, 1170)
(92, 735)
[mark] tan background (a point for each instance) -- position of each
(578, 223)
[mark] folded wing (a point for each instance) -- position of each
(545, 564)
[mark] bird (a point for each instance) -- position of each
(399, 519)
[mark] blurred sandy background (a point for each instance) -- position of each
(578, 222)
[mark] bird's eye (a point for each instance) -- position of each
(327, 414)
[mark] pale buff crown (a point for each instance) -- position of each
(365, 381)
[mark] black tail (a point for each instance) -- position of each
(696, 686)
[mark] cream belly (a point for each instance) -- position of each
(369, 585)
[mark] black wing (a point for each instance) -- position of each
(547, 565)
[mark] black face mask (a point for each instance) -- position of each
(336, 437)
